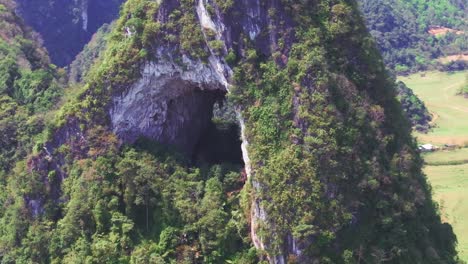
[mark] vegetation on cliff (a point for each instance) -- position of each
(28, 87)
(79, 68)
(334, 167)
(316, 102)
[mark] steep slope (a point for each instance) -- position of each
(66, 26)
(332, 173)
(28, 86)
(80, 67)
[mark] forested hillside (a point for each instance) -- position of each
(81, 66)
(401, 29)
(28, 87)
(414, 108)
(213, 132)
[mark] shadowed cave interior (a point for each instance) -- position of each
(201, 125)
(219, 141)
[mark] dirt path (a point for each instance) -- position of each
(449, 88)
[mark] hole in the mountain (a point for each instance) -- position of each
(220, 141)
(198, 123)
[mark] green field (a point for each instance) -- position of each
(445, 157)
(450, 185)
(450, 182)
(450, 111)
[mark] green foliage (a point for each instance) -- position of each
(83, 62)
(303, 121)
(437, 12)
(224, 5)
(217, 46)
(29, 87)
(333, 162)
(37, 89)
(136, 207)
(414, 108)
(401, 31)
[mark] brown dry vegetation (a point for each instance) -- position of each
(440, 31)
(458, 57)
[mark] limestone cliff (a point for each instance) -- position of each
(333, 173)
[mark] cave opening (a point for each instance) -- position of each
(220, 142)
(197, 122)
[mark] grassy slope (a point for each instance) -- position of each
(438, 90)
(450, 182)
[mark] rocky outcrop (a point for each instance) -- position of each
(169, 104)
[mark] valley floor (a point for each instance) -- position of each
(439, 90)
(447, 170)
(450, 185)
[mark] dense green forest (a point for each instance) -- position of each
(329, 171)
(401, 30)
(414, 108)
(149, 202)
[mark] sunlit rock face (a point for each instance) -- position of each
(66, 25)
(168, 104)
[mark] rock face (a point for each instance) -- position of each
(168, 104)
(172, 102)
(66, 26)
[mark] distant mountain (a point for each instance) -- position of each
(65, 25)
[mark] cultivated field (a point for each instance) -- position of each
(447, 171)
